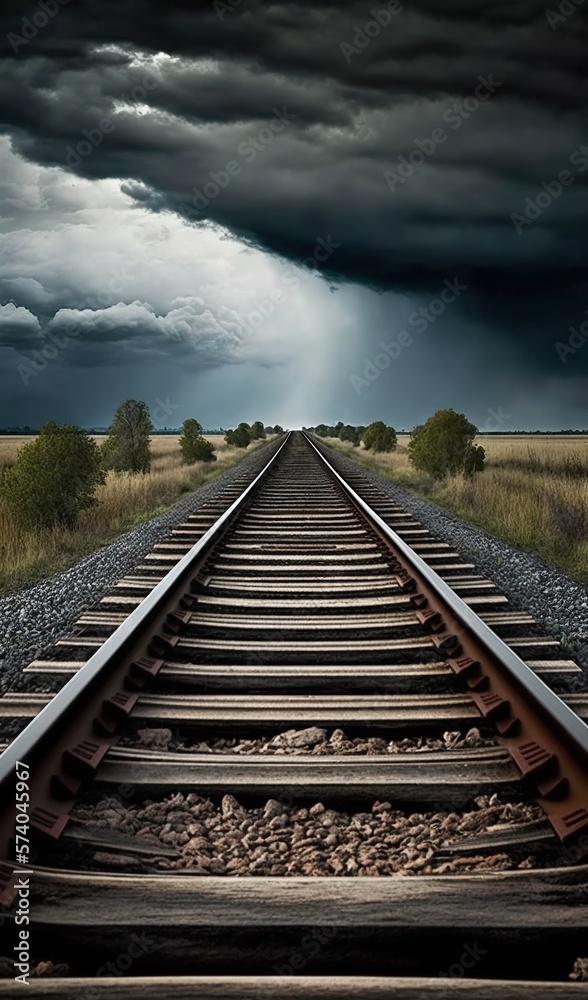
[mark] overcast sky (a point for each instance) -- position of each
(294, 212)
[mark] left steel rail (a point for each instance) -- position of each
(99, 682)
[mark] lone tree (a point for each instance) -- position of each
(54, 478)
(278, 429)
(127, 447)
(443, 446)
(240, 437)
(257, 430)
(379, 437)
(194, 447)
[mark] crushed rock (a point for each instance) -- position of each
(313, 741)
(286, 839)
(57, 969)
(38, 970)
(580, 970)
(155, 739)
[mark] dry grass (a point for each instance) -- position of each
(9, 448)
(533, 493)
(125, 501)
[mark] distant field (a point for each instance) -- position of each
(125, 500)
(533, 493)
(163, 446)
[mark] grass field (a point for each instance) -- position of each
(125, 500)
(533, 493)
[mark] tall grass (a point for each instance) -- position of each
(568, 461)
(532, 495)
(124, 501)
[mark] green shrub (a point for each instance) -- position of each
(257, 430)
(443, 446)
(194, 447)
(378, 437)
(240, 437)
(54, 477)
(203, 451)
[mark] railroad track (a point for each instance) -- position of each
(305, 750)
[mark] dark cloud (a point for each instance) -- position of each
(324, 127)
(18, 327)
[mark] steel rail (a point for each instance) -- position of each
(550, 705)
(23, 746)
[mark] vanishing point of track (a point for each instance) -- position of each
(294, 863)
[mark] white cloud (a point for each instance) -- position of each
(19, 328)
(202, 333)
(150, 289)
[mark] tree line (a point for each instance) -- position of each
(375, 437)
(56, 475)
(442, 446)
(244, 434)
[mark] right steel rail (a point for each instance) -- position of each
(545, 737)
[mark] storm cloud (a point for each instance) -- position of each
(425, 142)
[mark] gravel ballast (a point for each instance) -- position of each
(32, 620)
(314, 741)
(559, 605)
(285, 839)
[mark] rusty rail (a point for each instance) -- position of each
(546, 739)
